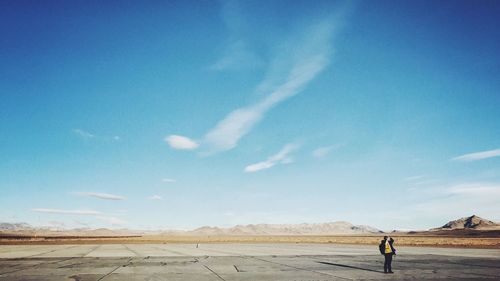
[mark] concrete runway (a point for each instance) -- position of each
(293, 262)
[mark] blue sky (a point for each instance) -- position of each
(179, 114)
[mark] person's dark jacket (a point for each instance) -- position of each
(382, 246)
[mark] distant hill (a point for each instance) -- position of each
(451, 234)
(24, 229)
(469, 223)
(330, 228)
(288, 229)
(468, 226)
(14, 226)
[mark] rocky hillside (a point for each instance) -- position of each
(14, 226)
(288, 229)
(24, 229)
(473, 222)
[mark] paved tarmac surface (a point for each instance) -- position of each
(294, 262)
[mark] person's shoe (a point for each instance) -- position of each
(390, 272)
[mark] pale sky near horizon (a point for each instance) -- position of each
(179, 114)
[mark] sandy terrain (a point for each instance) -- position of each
(403, 240)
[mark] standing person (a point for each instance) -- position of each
(387, 249)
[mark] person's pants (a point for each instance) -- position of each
(387, 263)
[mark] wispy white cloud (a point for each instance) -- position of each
(314, 57)
(168, 180)
(476, 189)
(298, 63)
(104, 196)
(180, 142)
(238, 52)
(281, 157)
(478, 155)
(426, 182)
(155, 197)
(83, 134)
(90, 213)
(67, 212)
(227, 132)
(237, 56)
(323, 151)
(414, 178)
(88, 136)
(421, 180)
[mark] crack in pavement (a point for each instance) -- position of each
(282, 264)
(172, 251)
(35, 266)
(93, 249)
(111, 272)
(83, 256)
(133, 251)
(304, 269)
(48, 252)
(215, 273)
(237, 269)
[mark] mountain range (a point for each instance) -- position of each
(473, 223)
(339, 227)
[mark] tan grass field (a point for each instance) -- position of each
(401, 240)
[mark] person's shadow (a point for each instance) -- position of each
(349, 266)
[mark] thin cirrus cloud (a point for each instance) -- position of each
(313, 59)
(168, 180)
(307, 57)
(238, 56)
(96, 214)
(323, 151)
(67, 212)
(282, 157)
(476, 189)
(238, 53)
(181, 142)
(85, 135)
(478, 155)
(104, 196)
(414, 178)
(155, 197)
